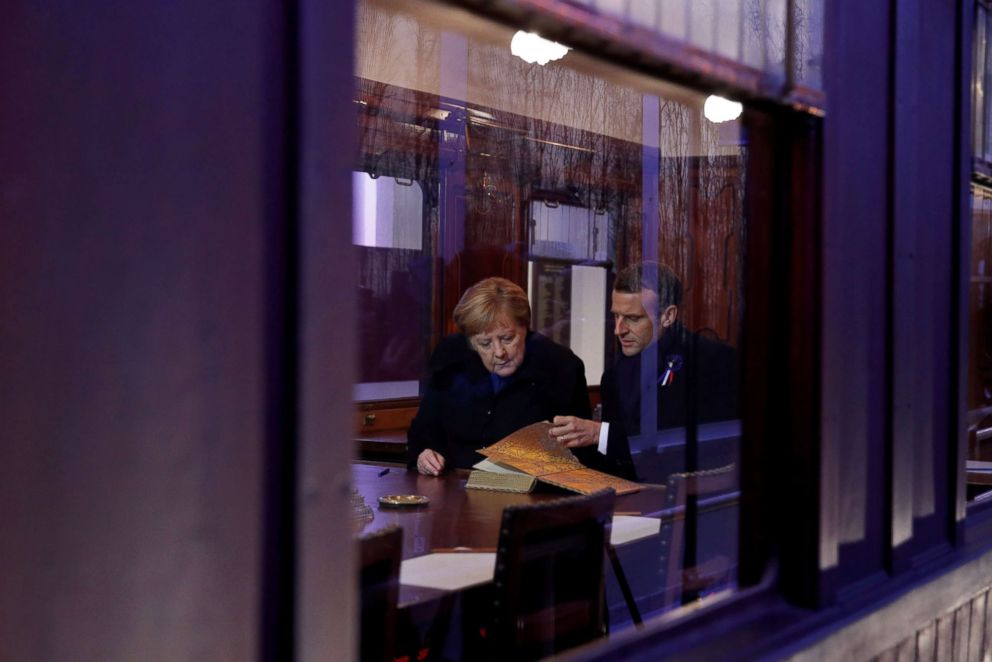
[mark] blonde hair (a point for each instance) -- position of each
(487, 301)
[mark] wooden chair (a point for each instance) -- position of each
(380, 554)
(685, 577)
(980, 439)
(548, 583)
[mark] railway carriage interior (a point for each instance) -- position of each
(473, 162)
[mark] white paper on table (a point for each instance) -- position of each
(627, 528)
(978, 466)
(450, 572)
(458, 570)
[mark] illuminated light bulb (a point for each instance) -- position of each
(717, 109)
(532, 48)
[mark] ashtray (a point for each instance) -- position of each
(403, 500)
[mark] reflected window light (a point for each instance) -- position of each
(363, 209)
(387, 212)
(717, 109)
(532, 48)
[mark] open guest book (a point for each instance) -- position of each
(532, 451)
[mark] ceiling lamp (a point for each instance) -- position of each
(532, 48)
(717, 109)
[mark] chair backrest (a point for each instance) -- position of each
(548, 584)
(380, 554)
(980, 439)
(685, 577)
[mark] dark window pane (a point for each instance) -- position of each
(474, 163)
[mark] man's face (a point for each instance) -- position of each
(636, 322)
(501, 347)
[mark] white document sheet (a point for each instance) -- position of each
(627, 528)
(457, 570)
(448, 571)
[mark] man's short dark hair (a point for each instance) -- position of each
(652, 276)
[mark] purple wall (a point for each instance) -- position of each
(136, 158)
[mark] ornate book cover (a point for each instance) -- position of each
(532, 451)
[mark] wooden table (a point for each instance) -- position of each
(456, 517)
(459, 517)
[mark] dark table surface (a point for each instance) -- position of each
(456, 516)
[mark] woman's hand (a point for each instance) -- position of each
(573, 432)
(430, 462)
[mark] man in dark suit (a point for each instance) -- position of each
(666, 377)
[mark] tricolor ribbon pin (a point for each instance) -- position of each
(674, 363)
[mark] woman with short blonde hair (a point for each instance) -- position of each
(490, 379)
(487, 300)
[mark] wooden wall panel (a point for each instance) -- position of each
(945, 638)
(945, 614)
(925, 642)
(986, 628)
(959, 635)
(962, 626)
(976, 631)
(887, 656)
(906, 651)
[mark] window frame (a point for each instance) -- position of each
(780, 570)
(977, 516)
(781, 325)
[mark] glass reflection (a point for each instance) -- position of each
(557, 177)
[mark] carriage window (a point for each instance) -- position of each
(388, 212)
(559, 176)
(388, 217)
(569, 256)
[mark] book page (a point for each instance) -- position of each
(532, 451)
(493, 467)
(587, 481)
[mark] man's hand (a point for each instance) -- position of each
(430, 462)
(573, 432)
